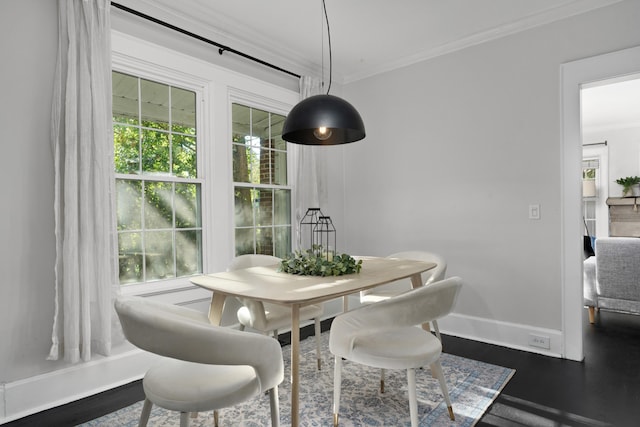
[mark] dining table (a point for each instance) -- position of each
(268, 284)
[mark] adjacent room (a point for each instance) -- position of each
(160, 169)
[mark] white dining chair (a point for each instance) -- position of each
(379, 293)
(269, 318)
(384, 335)
(206, 367)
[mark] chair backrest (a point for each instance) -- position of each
(414, 307)
(256, 308)
(617, 268)
(172, 331)
(435, 274)
(252, 260)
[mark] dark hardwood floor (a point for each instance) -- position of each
(604, 390)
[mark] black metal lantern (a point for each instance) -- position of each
(321, 237)
(307, 224)
(324, 237)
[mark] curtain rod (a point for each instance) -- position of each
(595, 143)
(221, 48)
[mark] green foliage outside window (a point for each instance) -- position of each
(155, 159)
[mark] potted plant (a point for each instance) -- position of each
(627, 185)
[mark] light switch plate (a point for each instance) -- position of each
(534, 211)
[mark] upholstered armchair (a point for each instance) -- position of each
(205, 367)
(384, 335)
(612, 276)
(383, 292)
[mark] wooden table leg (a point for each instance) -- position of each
(416, 280)
(295, 365)
(216, 307)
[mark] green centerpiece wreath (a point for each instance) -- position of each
(319, 262)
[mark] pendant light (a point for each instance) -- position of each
(323, 119)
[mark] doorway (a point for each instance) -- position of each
(574, 76)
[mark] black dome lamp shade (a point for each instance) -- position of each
(323, 119)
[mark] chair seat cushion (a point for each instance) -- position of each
(278, 316)
(403, 348)
(193, 387)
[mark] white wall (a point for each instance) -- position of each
(28, 30)
(458, 147)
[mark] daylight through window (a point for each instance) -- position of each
(261, 191)
(158, 191)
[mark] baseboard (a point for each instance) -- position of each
(26, 397)
(504, 334)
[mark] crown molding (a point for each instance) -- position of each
(567, 10)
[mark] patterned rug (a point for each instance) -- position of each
(473, 386)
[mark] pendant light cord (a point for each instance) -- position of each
(326, 17)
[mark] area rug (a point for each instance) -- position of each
(473, 386)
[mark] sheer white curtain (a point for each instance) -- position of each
(310, 188)
(85, 270)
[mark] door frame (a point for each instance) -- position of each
(573, 76)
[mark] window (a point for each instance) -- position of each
(590, 168)
(262, 196)
(173, 162)
(159, 219)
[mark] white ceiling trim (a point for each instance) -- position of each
(561, 12)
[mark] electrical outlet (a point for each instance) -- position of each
(541, 341)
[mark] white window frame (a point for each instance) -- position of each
(271, 106)
(216, 88)
(600, 153)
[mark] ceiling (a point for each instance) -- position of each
(368, 36)
(611, 104)
(373, 36)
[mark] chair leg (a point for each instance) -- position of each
(146, 410)
(318, 332)
(216, 418)
(184, 419)
(337, 380)
(381, 380)
(274, 403)
(413, 399)
(275, 333)
(592, 315)
(436, 368)
(436, 329)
